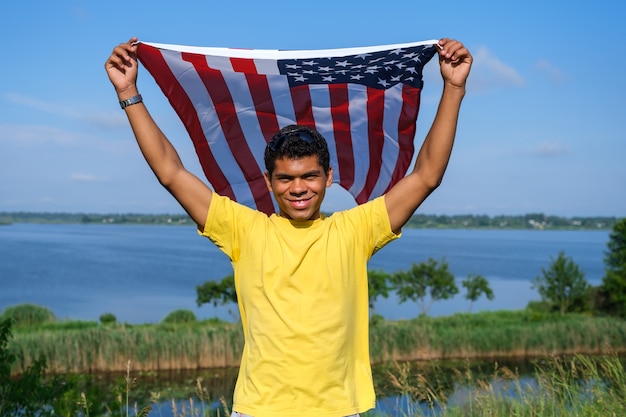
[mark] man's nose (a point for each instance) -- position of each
(298, 187)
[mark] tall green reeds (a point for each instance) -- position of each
(495, 335)
(92, 347)
(560, 386)
(108, 349)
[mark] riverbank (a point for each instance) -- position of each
(90, 347)
(537, 221)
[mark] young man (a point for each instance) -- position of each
(301, 277)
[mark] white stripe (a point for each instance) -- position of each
(246, 115)
(281, 97)
(199, 97)
(266, 66)
(357, 95)
(285, 54)
(320, 105)
(219, 63)
(393, 106)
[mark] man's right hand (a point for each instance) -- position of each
(121, 67)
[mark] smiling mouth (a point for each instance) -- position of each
(300, 202)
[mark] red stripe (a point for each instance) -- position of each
(154, 62)
(225, 110)
(375, 115)
(406, 132)
(339, 110)
(261, 96)
(244, 65)
(301, 99)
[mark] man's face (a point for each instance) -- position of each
(299, 186)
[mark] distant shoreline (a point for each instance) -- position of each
(532, 221)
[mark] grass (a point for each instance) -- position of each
(558, 386)
(576, 385)
(495, 335)
(79, 347)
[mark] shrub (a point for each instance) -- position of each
(24, 315)
(180, 316)
(33, 394)
(108, 318)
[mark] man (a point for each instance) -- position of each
(301, 277)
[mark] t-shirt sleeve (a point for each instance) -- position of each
(226, 223)
(381, 225)
(370, 224)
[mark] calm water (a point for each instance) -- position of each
(141, 273)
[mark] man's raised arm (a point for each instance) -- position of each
(406, 196)
(192, 194)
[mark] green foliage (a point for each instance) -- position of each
(526, 221)
(614, 281)
(108, 318)
(32, 394)
(469, 221)
(562, 284)
(378, 286)
(222, 292)
(180, 317)
(24, 315)
(585, 386)
(425, 283)
(476, 285)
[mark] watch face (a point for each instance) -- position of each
(133, 100)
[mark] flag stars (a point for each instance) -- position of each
(381, 69)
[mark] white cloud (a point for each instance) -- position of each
(553, 73)
(33, 135)
(550, 149)
(489, 72)
(81, 177)
(51, 108)
(74, 112)
(547, 149)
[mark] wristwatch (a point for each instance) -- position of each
(130, 101)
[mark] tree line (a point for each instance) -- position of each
(538, 221)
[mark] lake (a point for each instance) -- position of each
(141, 273)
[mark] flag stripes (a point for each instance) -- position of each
(364, 101)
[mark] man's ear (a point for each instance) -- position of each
(329, 180)
(268, 181)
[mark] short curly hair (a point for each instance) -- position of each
(296, 142)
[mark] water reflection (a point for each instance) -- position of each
(400, 387)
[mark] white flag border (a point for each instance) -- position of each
(285, 54)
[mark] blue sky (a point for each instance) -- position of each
(541, 128)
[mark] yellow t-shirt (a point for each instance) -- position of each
(302, 291)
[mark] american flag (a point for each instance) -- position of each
(364, 101)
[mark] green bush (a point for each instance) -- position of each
(108, 318)
(33, 394)
(24, 315)
(180, 316)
